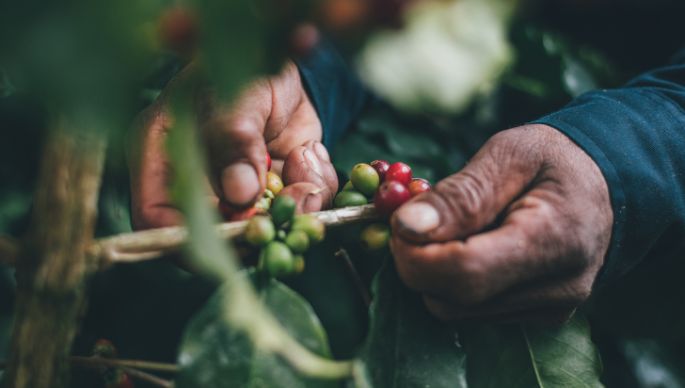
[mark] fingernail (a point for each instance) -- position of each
(321, 152)
(240, 183)
(312, 162)
(312, 203)
(418, 218)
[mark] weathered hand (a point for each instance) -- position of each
(519, 234)
(273, 114)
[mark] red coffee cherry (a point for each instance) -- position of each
(381, 167)
(418, 186)
(390, 196)
(268, 162)
(399, 172)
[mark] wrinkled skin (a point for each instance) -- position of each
(519, 234)
(273, 114)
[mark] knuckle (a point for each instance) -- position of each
(469, 283)
(464, 195)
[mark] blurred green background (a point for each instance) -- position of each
(563, 48)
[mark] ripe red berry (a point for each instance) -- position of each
(399, 172)
(418, 186)
(268, 162)
(390, 196)
(381, 167)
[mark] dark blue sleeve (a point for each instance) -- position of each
(636, 135)
(335, 91)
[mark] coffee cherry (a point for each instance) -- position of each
(375, 236)
(283, 209)
(260, 230)
(348, 186)
(418, 186)
(276, 259)
(117, 378)
(298, 264)
(311, 225)
(268, 162)
(263, 204)
(274, 182)
(390, 196)
(381, 167)
(104, 348)
(297, 241)
(399, 172)
(365, 179)
(349, 198)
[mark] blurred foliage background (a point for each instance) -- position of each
(560, 49)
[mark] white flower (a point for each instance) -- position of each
(447, 53)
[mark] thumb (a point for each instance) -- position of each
(470, 200)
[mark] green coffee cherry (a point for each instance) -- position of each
(375, 236)
(260, 230)
(282, 209)
(348, 186)
(298, 264)
(281, 234)
(349, 198)
(365, 179)
(297, 241)
(311, 225)
(269, 194)
(263, 204)
(277, 259)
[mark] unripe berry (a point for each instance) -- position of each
(390, 196)
(298, 264)
(418, 186)
(381, 167)
(348, 186)
(260, 230)
(274, 182)
(276, 259)
(297, 241)
(365, 179)
(311, 225)
(399, 172)
(283, 209)
(349, 198)
(375, 236)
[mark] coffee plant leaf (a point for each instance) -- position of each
(212, 354)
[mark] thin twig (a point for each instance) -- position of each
(356, 279)
(151, 244)
(111, 362)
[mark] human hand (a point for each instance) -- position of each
(273, 114)
(519, 234)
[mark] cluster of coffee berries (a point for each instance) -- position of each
(114, 377)
(274, 185)
(387, 185)
(283, 237)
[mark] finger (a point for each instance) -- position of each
(150, 172)
(237, 135)
(311, 164)
(531, 243)
(470, 200)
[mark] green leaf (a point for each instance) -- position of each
(214, 355)
(525, 356)
(407, 347)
